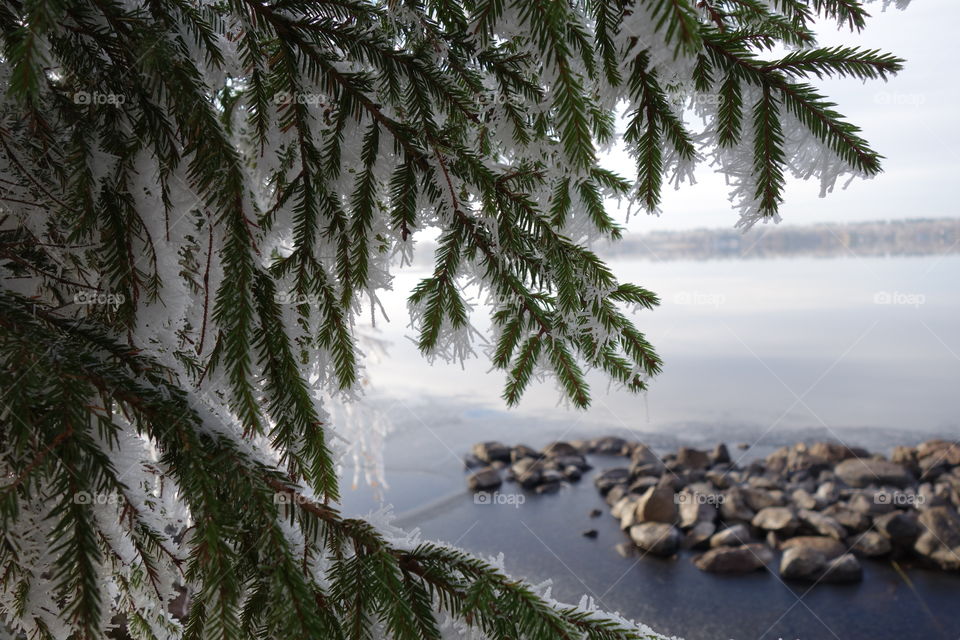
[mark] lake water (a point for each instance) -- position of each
(765, 352)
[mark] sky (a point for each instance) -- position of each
(911, 119)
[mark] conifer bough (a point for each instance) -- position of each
(197, 199)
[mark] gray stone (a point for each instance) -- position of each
(551, 475)
(719, 479)
(623, 503)
(720, 454)
(609, 445)
(863, 472)
(871, 544)
(694, 508)
(779, 519)
(491, 451)
(939, 539)
(615, 493)
(690, 458)
(557, 449)
(643, 456)
(699, 536)
(657, 505)
(742, 559)
(522, 451)
(827, 547)
(764, 482)
(827, 493)
(793, 459)
(734, 507)
(484, 480)
(929, 496)
(577, 461)
(733, 536)
(852, 521)
(471, 461)
(657, 538)
(628, 514)
(938, 452)
(822, 524)
(611, 477)
(845, 568)
(834, 452)
(528, 472)
(803, 500)
(641, 484)
(758, 499)
(802, 563)
(900, 528)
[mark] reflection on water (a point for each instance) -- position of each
(766, 352)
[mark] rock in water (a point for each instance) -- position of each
(609, 446)
(689, 458)
(734, 506)
(871, 545)
(486, 479)
(610, 478)
(803, 500)
(940, 537)
(694, 508)
(522, 451)
(802, 563)
(821, 524)
(657, 538)
(742, 559)
(528, 472)
(720, 455)
(492, 451)
(900, 528)
(657, 505)
(827, 547)
(862, 472)
(558, 449)
(779, 519)
(699, 536)
(845, 568)
(733, 536)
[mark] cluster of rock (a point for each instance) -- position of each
(823, 505)
(541, 471)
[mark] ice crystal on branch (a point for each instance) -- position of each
(198, 199)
